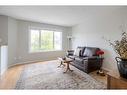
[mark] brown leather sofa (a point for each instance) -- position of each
(85, 58)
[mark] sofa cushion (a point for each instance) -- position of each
(79, 51)
(70, 52)
(72, 57)
(80, 59)
(89, 51)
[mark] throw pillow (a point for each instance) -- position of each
(77, 52)
(89, 52)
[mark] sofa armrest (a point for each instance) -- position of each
(70, 52)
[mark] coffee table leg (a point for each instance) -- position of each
(61, 63)
(68, 68)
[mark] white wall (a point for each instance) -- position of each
(14, 33)
(12, 41)
(22, 42)
(92, 31)
(3, 30)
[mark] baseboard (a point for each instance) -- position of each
(106, 69)
(29, 62)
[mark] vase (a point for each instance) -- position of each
(122, 66)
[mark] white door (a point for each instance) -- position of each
(4, 59)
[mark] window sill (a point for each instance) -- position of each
(45, 51)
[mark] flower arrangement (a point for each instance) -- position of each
(120, 46)
(100, 52)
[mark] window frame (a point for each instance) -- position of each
(37, 28)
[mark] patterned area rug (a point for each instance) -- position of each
(48, 76)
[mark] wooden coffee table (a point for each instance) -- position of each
(66, 61)
(61, 61)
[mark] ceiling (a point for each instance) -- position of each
(58, 15)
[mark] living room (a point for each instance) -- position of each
(36, 39)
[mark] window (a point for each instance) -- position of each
(45, 40)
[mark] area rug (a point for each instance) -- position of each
(49, 76)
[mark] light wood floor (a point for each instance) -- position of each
(10, 77)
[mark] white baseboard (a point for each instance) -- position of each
(106, 69)
(28, 62)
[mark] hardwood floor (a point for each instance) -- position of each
(102, 79)
(10, 77)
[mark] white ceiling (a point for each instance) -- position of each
(59, 15)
